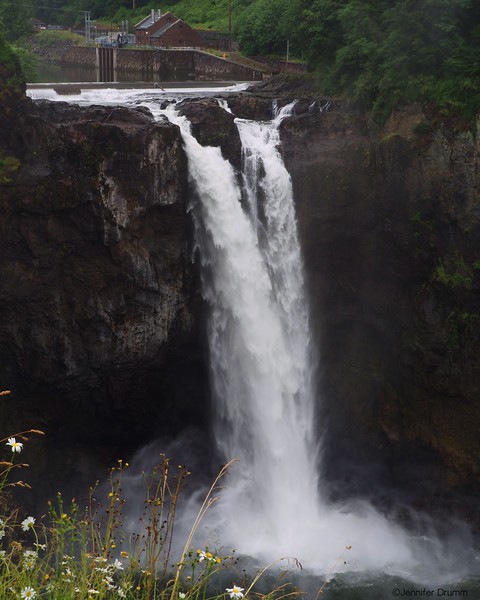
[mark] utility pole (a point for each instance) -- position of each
(288, 50)
(88, 26)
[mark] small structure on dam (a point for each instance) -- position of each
(166, 31)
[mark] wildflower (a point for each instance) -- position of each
(2, 533)
(93, 592)
(67, 575)
(28, 592)
(28, 523)
(117, 565)
(29, 559)
(181, 595)
(124, 554)
(105, 570)
(2, 553)
(202, 555)
(121, 593)
(29, 563)
(40, 546)
(235, 592)
(16, 447)
(109, 582)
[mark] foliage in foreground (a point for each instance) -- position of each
(10, 67)
(91, 554)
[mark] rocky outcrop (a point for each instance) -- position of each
(213, 126)
(99, 298)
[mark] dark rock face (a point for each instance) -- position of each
(213, 126)
(99, 298)
(390, 226)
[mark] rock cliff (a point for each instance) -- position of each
(390, 224)
(98, 293)
(101, 314)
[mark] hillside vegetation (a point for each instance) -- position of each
(380, 53)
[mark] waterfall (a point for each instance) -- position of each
(263, 405)
(260, 351)
(259, 343)
(261, 373)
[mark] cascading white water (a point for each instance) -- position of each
(260, 358)
(259, 344)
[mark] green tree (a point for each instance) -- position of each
(16, 16)
(386, 52)
(266, 25)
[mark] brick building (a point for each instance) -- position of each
(166, 31)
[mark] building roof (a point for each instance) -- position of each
(162, 30)
(152, 18)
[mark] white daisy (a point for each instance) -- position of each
(235, 592)
(28, 523)
(16, 447)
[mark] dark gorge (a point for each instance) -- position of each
(102, 335)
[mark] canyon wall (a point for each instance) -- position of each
(99, 299)
(390, 224)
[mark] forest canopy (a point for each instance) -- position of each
(386, 52)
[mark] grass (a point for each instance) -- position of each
(88, 553)
(47, 38)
